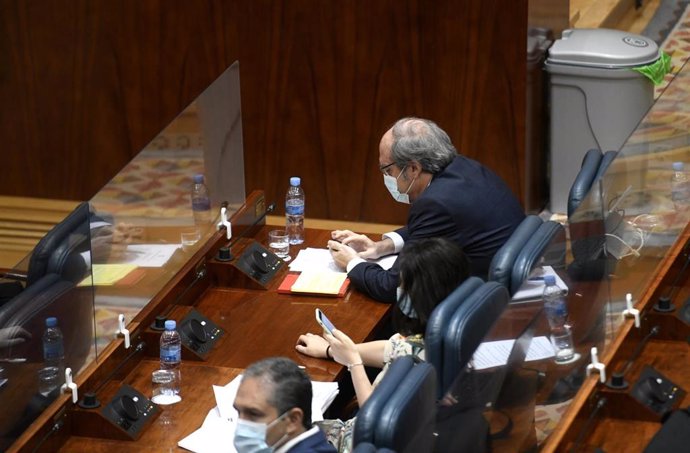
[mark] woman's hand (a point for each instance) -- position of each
(312, 345)
(343, 349)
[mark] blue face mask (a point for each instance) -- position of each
(405, 303)
(250, 437)
(392, 186)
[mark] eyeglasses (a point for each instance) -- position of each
(384, 168)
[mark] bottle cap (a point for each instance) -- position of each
(170, 324)
(198, 179)
(549, 280)
(295, 181)
(678, 166)
(51, 322)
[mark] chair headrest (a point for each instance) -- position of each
(547, 242)
(501, 268)
(438, 321)
(584, 179)
(468, 327)
(53, 251)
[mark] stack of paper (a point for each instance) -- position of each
(218, 429)
(321, 259)
(495, 353)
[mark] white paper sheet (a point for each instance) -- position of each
(149, 255)
(495, 353)
(533, 287)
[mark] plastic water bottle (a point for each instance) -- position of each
(556, 311)
(294, 211)
(201, 201)
(50, 376)
(171, 350)
(679, 187)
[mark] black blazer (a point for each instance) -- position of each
(466, 203)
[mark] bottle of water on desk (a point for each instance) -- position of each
(680, 190)
(556, 311)
(51, 375)
(294, 211)
(171, 354)
(201, 202)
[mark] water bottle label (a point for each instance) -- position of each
(201, 204)
(171, 354)
(294, 209)
(53, 351)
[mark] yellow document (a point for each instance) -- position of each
(319, 282)
(108, 274)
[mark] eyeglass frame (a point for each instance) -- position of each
(384, 168)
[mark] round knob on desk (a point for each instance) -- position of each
(664, 305)
(195, 330)
(89, 401)
(159, 323)
(224, 254)
(127, 408)
(617, 381)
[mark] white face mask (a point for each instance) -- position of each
(250, 437)
(405, 303)
(392, 186)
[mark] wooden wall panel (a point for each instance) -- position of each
(336, 77)
(87, 84)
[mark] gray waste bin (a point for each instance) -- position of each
(596, 99)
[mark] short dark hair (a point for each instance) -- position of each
(423, 141)
(288, 386)
(430, 269)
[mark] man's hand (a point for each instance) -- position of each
(341, 253)
(365, 247)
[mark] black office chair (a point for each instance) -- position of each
(438, 322)
(401, 411)
(58, 252)
(501, 268)
(546, 247)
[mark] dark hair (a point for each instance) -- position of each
(288, 386)
(430, 269)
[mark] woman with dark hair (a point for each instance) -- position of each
(430, 269)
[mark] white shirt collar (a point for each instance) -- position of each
(294, 441)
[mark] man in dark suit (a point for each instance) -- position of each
(451, 196)
(274, 406)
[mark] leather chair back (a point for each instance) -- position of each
(584, 179)
(370, 413)
(545, 247)
(405, 422)
(501, 268)
(438, 322)
(468, 327)
(58, 251)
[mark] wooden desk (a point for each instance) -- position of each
(257, 323)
